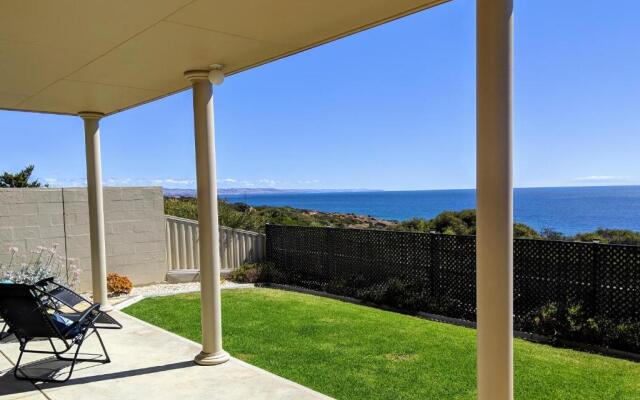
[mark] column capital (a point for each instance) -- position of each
(90, 114)
(195, 75)
(214, 74)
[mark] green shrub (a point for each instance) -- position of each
(456, 223)
(373, 294)
(571, 322)
(181, 207)
(413, 225)
(398, 293)
(545, 321)
(626, 335)
(338, 286)
(582, 327)
(525, 232)
(247, 273)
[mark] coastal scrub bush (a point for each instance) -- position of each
(181, 207)
(413, 225)
(455, 223)
(611, 236)
(523, 231)
(238, 216)
(243, 216)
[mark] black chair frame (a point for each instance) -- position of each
(65, 297)
(83, 325)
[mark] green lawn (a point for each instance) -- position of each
(354, 352)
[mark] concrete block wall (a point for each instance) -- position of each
(134, 228)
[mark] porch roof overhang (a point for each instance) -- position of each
(69, 56)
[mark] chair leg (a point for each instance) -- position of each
(58, 356)
(104, 349)
(73, 363)
(106, 359)
(25, 377)
(17, 367)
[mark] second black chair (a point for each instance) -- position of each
(30, 314)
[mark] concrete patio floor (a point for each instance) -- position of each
(147, 363)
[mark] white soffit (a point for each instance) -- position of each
(66, 56)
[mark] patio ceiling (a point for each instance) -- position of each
(68, 56)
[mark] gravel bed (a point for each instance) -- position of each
(169, 289)
(165, 289)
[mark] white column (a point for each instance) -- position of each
(207, 195)
(96, 209)
(494, 200)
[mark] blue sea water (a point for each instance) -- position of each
(565, 209)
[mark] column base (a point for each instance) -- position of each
(106, 307)
(212, 359)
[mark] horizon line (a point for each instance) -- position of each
(399, 190)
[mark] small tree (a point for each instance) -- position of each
(19, 179)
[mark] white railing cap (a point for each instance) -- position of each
(195, 222)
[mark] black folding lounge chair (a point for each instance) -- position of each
(27, 310)
(68, 301)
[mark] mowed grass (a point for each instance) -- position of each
(354, 352)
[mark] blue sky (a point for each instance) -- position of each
(390, 108)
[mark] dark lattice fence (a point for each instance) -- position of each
(578, 291)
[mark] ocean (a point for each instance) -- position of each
(568, 210)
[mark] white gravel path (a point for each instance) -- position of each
(165, 289)
(168, 289)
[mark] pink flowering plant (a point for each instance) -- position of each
(38, 264)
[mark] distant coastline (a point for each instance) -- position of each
(569, 210)
(173, 192)
(179, 192)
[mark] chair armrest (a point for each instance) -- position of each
(86, 318)
(95, 308)
(44, 282)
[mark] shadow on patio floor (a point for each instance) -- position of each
(147, 362)
(52, 368)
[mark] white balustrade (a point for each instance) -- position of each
(237, 246)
